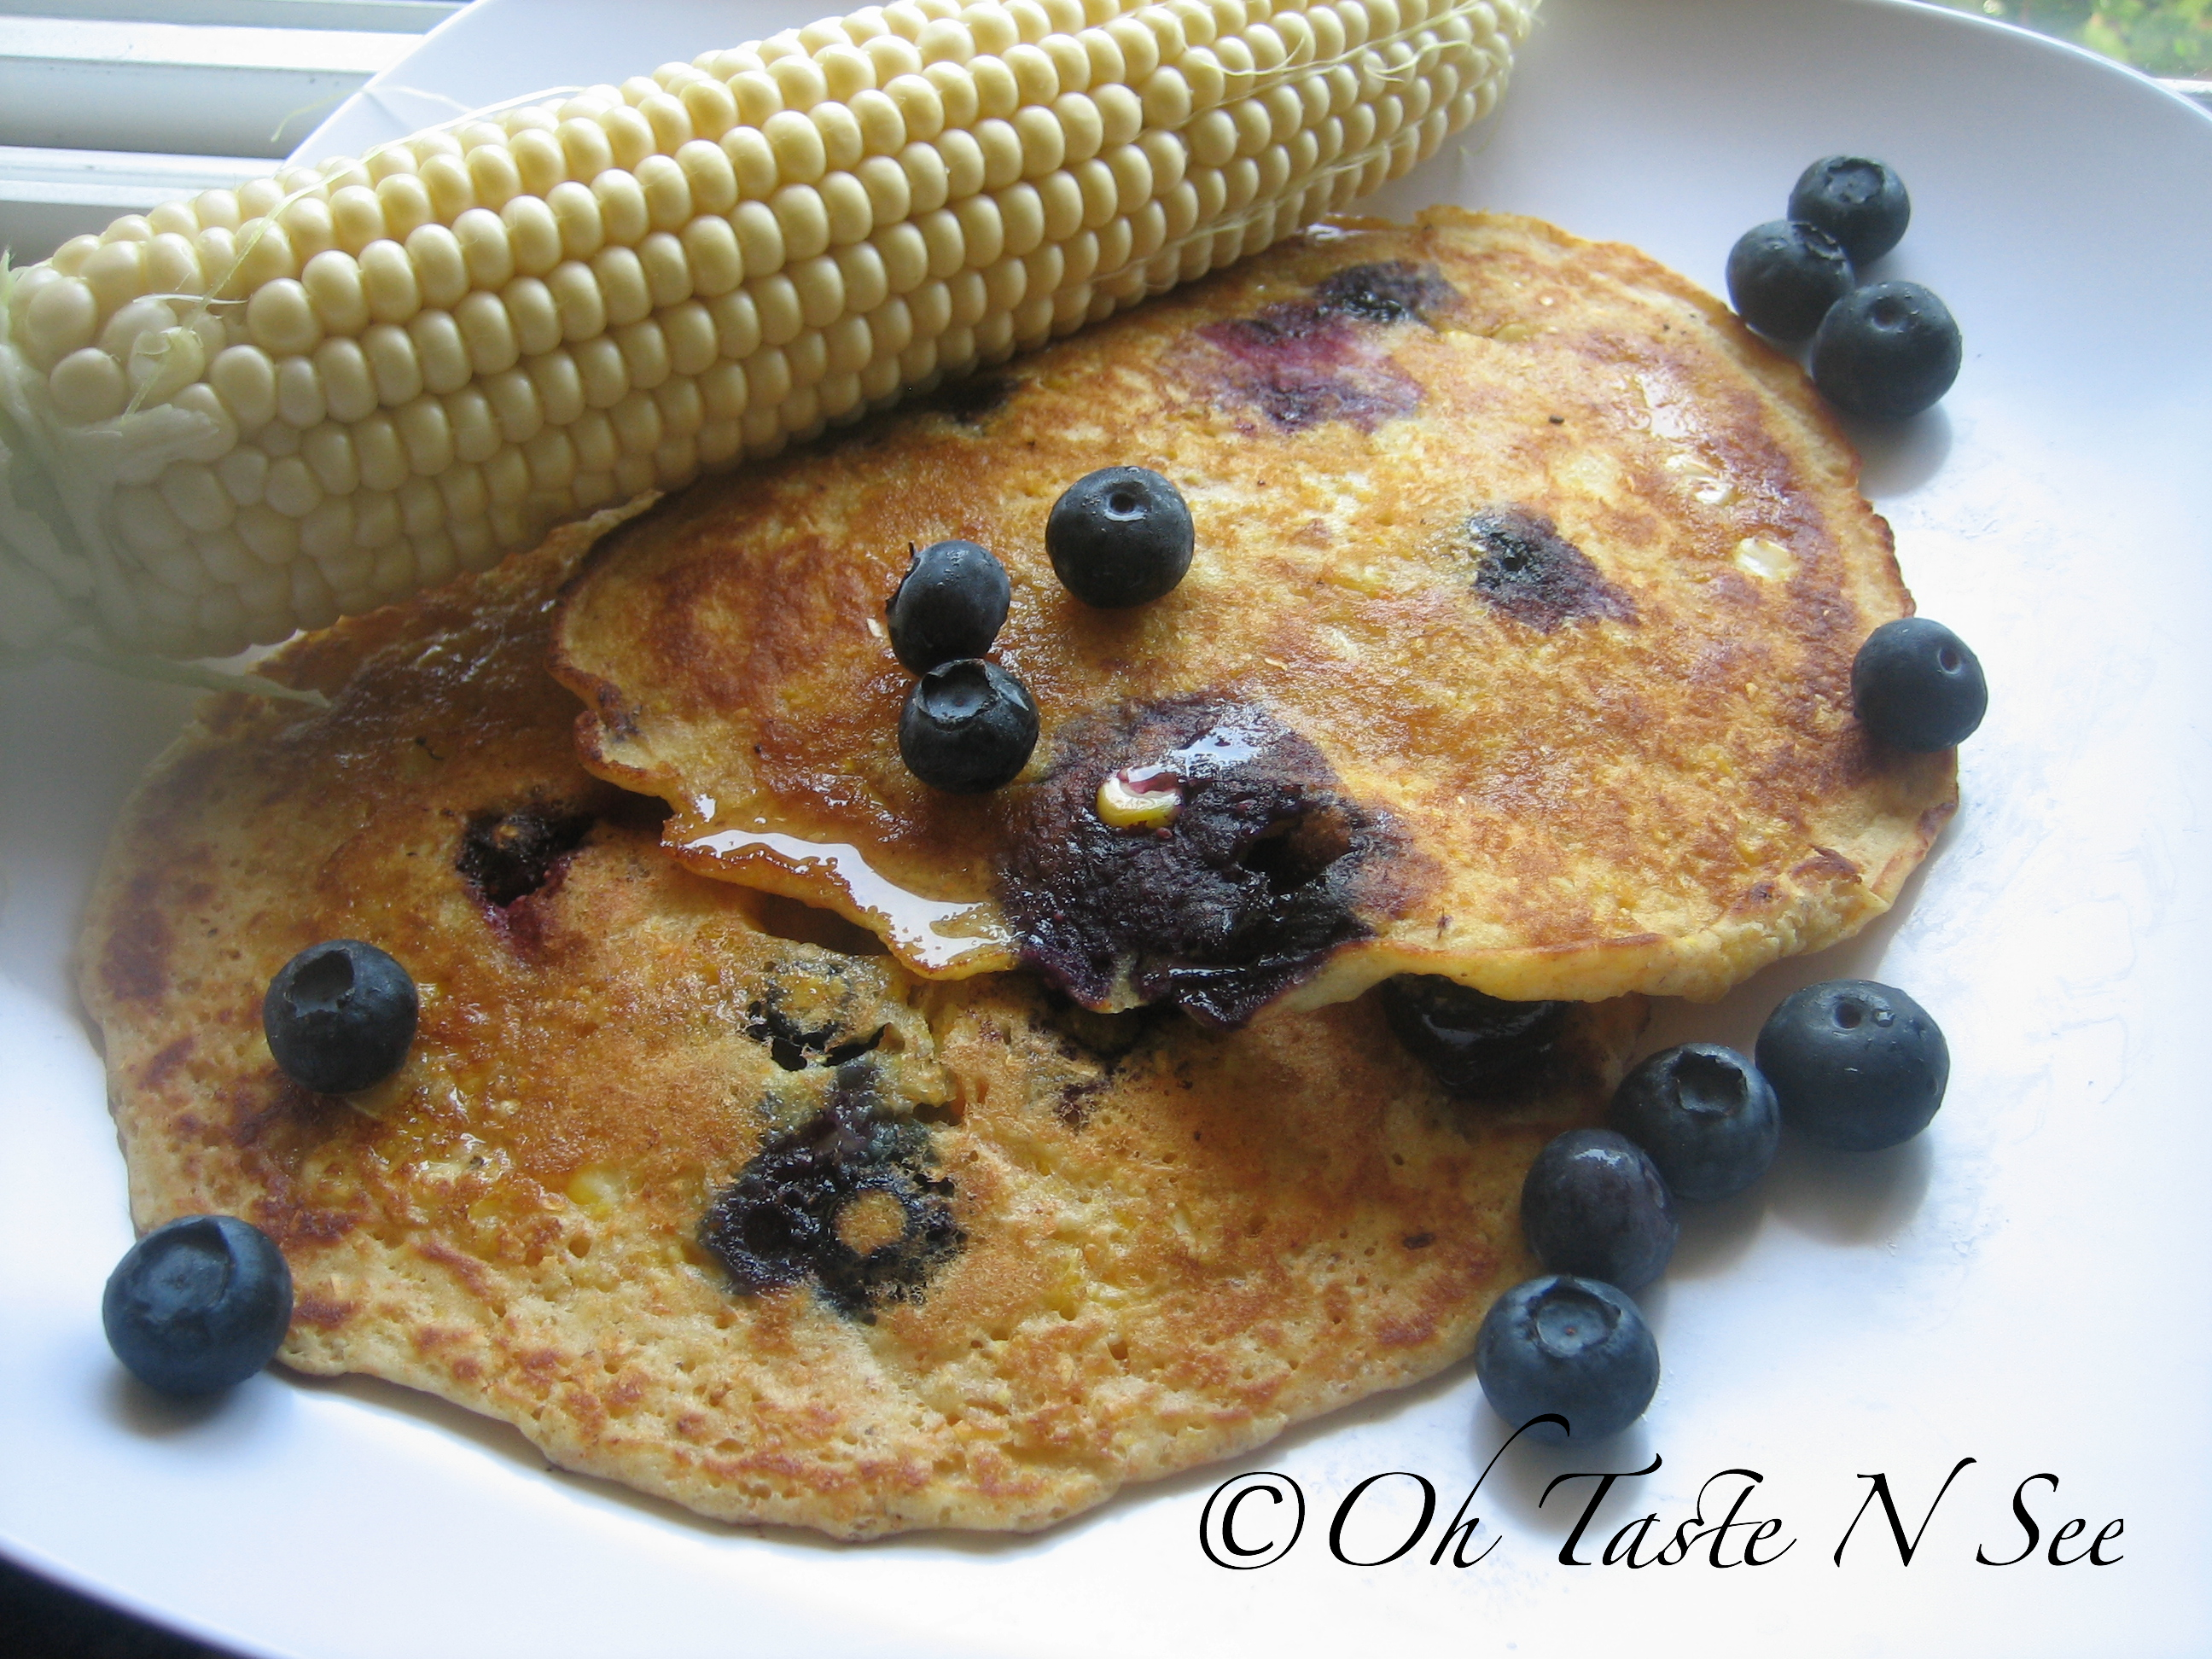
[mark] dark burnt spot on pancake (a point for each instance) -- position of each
(972, 402)
(1526, 569)
(1259, 878)
(134, 963)
(324, 1313)
(156, 1072)
(1476, 1047)
(794, 1046)
(1826, 865)
(1302, 363)
(504, 857)
(267, 1111)
(811, 1012)
(778, 1222)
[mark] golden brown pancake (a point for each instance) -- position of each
(1517, 646)
(700, 1203)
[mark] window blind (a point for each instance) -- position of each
(109, 106)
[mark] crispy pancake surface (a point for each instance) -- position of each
(700, 1203)
(1516, 648)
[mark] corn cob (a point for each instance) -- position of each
(263, 408)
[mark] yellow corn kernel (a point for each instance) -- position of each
(348, 387)
(299, 400)
(333, 283)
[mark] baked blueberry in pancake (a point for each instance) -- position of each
(701, 1197)
(1516, 647)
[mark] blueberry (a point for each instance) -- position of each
(968, 726)
(951, 604)
(1469, 1041)
(198, 1305)
(340, 1016)
(1917, 687)
(1704, 1115)
(1886, 351)
(1862, 204)
(1855, 1065)
(1784, 275)
(1576, 1347)
(1595, 1203)
(1120, 537)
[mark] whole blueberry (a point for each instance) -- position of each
(1887, 351)
(951, 603)
(198, 1305)
(1784, 275)
(1855, 1065)
(1916, 686)
(1704, 1115)
(339, 1017)
(1470, 1042)
(1862, 204)
(1575, 1346)
(1595, 1203)
(968, 727)
(1120, 537)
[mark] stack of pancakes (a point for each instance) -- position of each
(797, 1142)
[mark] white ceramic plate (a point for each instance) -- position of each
(2023, 1285)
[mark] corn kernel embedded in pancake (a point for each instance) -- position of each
(1140, 798)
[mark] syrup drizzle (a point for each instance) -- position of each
(932, 936)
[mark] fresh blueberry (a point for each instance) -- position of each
(1595, 1203)
(340, 1016)
(1120, 537)
(1862, 204)
(1576, 1347)
(198, 1305)
(968, 727)
(1469, 1041)
(1855, 1065)
(1916, 686)
(951, 604)
(1784, 275)
(1704, 1115)
(1886, 351)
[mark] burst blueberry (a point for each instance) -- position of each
(1595, 1203)
(1916, 686)
(1784, 275)
(1704, 1115)
(1577, 1347)
(1855, 1065)
(1120, 537)
(340, 1016)
(1887, 351)
(198, 1305)
(968, 727)
(951, 604)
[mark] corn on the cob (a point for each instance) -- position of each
(263, 408)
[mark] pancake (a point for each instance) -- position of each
(1516, 648)
(701, 1201)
